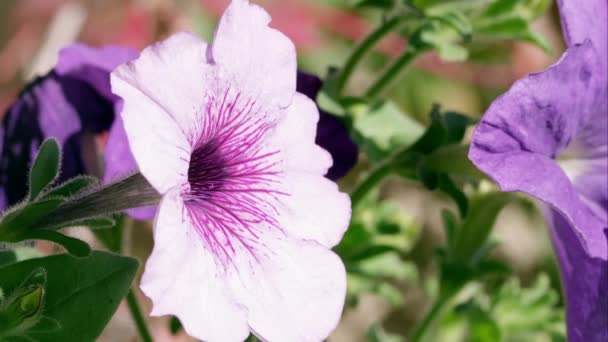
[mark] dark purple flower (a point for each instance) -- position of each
(72, 103)
(331, 133)
(547, 136)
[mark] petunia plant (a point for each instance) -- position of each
(272, 191)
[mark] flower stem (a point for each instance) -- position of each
(370, 181)
(428, 319)
(140, 321)
(394, 71)
(131, 192)
(361, 50)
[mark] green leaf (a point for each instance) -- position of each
(377, 334)
(74, 246)
(81, 293)
(22, 309)
(329, 104)
(450, 224)
(477, 225)
(71, 187)
(10, 256)
(175, 325)
(387, 265)
(445, 34)
(381, 4)
(512, 28)
(384, 127)
(24, 218)
(111, 237)
(45, 168)
(526, 314)
(456, 125)
(482, 326)
(91, 222)
(447, 186)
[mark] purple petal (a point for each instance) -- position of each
(331, 133)
(582, 20)
(585, 280)
(119, 162)
(72, 103)
(93, 65)
(525, 129)
(529, 140)
(51, 106)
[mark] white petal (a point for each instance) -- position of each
(176, 75)
(163, 91)
(295, 136)
(158, 145)
(315, 209)
(257, 59)
(297, 294)
(182, 279)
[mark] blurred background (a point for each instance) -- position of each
(324, 31)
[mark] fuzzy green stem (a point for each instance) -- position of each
(370, 181)
(140, 321)
(393, 72)
(131, 192)
(361, 50)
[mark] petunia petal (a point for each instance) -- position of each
(585, 279)
(157, 123)
(180, 61)
(295, 136)
(331, 133)
(582, 20)
(526, 128)
(295, 294)
(182, 279)
(119, 162)
(260, 60)
(93, 65)
(315, 209)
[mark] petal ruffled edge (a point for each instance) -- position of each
(295, 294)
(257, 59)
(525, 128)
(585, 280)
(93, 65)
(182, 279)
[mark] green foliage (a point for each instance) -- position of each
(373, 250)
(33, 218)
(523, 313)
(437, 154)
(22, 309)
(19, 253)
(45, 168)
(175, 325)
(377, 334)
(508, 313)
(71, 187)
(381, 4)
(382, 128)
(80, 294)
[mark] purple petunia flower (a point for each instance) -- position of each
(331, 133)
(547, 136)
(243, 236)
(72, 103)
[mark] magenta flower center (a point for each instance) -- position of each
(233, 179)
(207, 171)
